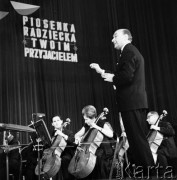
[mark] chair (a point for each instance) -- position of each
(116, 171)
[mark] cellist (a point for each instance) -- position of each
(167, 148)
(69, 150)
(105, 151)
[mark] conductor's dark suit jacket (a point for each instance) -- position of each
(129, 80)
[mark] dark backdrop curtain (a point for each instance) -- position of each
(54, 87)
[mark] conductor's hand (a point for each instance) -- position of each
(108, 77)
(97, 68)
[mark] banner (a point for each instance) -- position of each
(49, 40)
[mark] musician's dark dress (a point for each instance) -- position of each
(104, 155)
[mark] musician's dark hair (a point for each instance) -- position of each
(89, 111)
(55, 116)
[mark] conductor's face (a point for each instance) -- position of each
(119, 39)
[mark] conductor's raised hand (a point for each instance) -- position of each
(97, 68)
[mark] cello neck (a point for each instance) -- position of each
(164, 113)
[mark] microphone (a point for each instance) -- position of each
(39, 114)
(106, 110)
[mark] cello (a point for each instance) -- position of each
(84, 160)
(121, 148)
(50, 162)
(155, 138)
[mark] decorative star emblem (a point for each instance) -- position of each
(24, 42)
(75, 48)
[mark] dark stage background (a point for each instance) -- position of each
(30, 85)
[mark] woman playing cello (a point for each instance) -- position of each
(104, 152)
(68, 152)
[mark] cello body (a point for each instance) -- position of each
(155, 139)
(84, 160)
(50, 163)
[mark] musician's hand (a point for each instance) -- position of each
(108, 77)
(57, 152)
(124, 134)
(97, 68)
(93, 125)
(6, 150)
(77, 140)
(155, 127)
(58, 132)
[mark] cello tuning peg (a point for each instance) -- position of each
(165, 112)
(68, 120)
(106, 110)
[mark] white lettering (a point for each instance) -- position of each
(45, 23)
(65, 27)
(26, 51)
(38, 22)
(34, 41)
(73, 39)
(25, 31)
(72, 28)
(52, 25)
(43, 43)
(52, 44)
(25, 19)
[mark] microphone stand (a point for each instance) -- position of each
(38, 145)
(7, 166)
(38, 153)
(38, 149)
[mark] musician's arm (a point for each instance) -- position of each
(70, 135)
(79, 135)
(157, 128)
(167, 129)
(58, 132)
(106, 130)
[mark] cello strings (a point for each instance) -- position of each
(85, 143)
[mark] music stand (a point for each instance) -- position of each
(17, 128)
(43, 134)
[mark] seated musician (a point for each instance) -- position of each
(67, 154)
(167, 149)
(105, 151)
(14, 157)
